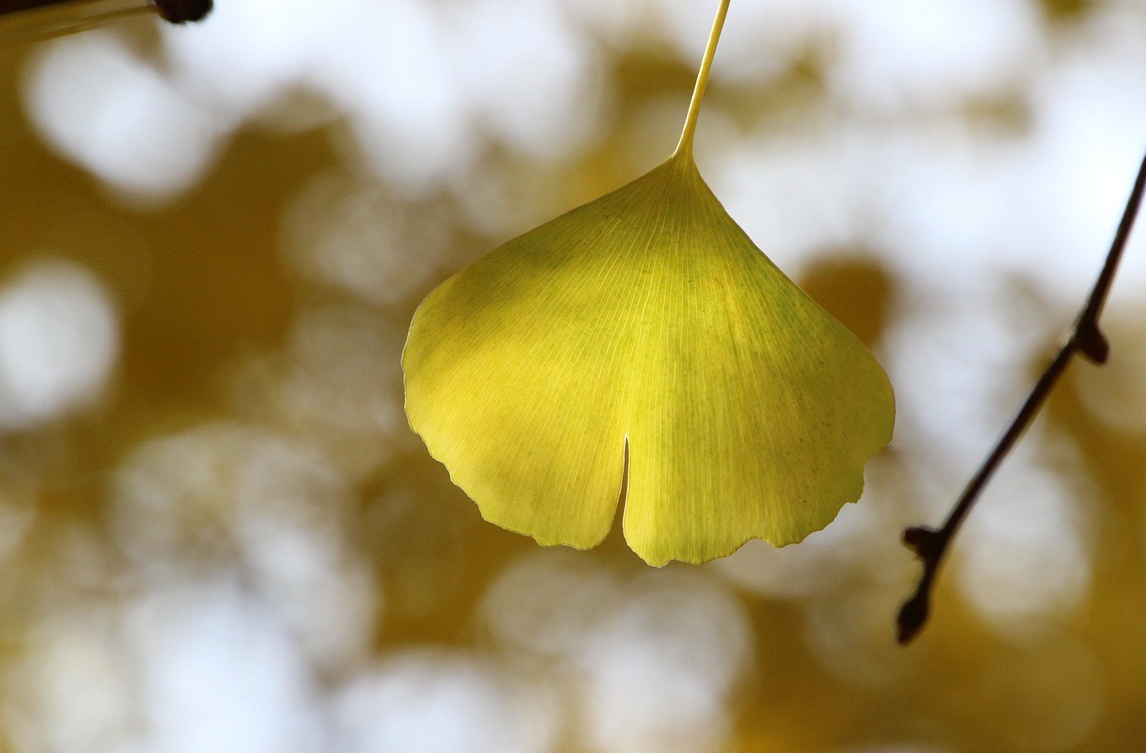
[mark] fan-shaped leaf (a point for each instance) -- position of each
(646, 318)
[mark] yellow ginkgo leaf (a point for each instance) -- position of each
(645, 325)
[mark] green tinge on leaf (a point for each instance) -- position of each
(647, 317)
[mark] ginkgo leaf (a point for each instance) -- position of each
(644, 327)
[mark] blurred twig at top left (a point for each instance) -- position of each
(32, 20)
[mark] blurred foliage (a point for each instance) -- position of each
(228, 538)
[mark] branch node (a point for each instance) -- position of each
(1091, 342)
(912, 616)
(924, 541)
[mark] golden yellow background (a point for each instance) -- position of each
(217, 532)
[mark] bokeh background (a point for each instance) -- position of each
(217, 532)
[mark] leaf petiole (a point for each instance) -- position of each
(684, 146)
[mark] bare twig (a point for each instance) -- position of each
(182, 11)
(174, 11)
(931, 544)
(28, 21)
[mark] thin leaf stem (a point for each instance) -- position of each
(930, 544)
(684, 146)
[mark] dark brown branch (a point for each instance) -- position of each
(182, 11)
(174, 11)
(931, 544)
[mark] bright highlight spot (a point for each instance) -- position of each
(422, 701)
(118, 118)
(1025, 554)
(59, 339)
(653, 661)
